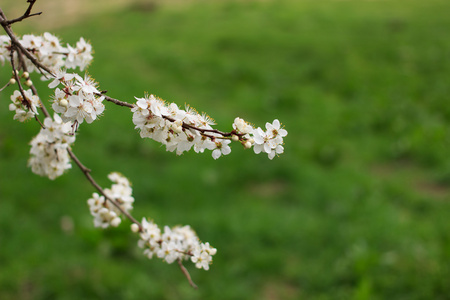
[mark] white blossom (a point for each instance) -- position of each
(221, 148)
(177, 243)
(150, 238)
(61, 76)
(202, 256)
(79, 100)
(80, 56)
(103, 215)
(48, 51)
(174, 127)
(48, 151)
(25, 109)
(242, 126)
(269, 141)
(180, 130)
(104, 212)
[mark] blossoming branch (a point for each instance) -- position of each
(76, 99)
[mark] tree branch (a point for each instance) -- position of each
(21, 51)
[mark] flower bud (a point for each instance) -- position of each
(64, 103)
(177, 129)
(26, 75)
(247, 145)
(103, 211)
(12, 81)
(234, 138)
(28, 82)
(177, 126)
(135, 227)
(115, 222)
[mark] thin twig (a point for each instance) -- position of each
(87, 173)
(27, 14)
(5, 86)
(3, 18)
(186, 273)
(118, 102)
(203, 130)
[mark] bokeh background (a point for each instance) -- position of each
(358, 207)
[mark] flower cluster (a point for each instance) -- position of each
(177, 243)
(182, 130)
(48, 50)
(271, 140)
(25, 108)
(49, 156)
(173, 127)
(202, 256)
(104, 212)
(78, 100)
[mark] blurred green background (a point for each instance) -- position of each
(358, 207)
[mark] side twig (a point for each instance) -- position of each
(27, 14)
(87, 173)
(186, 273)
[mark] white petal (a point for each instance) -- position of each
(258, 148)
(279, 149)
(216, 153)
(267, 148)
(282, 132)
(53, 84)
(74, 101)
(258, 136)
(57, 118)
(276, 124)
(226, 150)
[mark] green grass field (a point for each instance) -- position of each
(358, 206)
